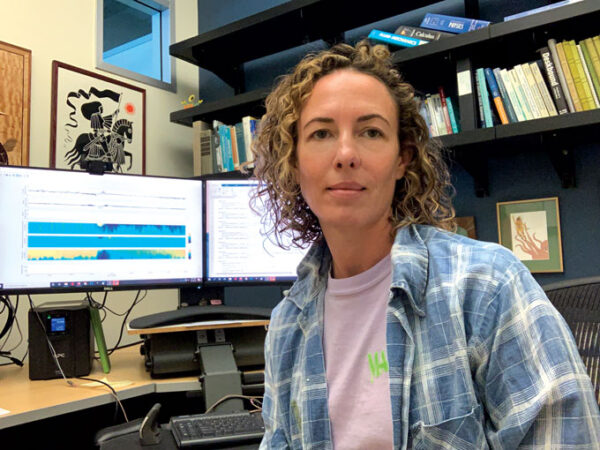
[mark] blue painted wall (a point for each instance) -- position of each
(515, 177)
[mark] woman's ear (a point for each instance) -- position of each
(407, 153)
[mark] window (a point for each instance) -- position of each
(133, 40)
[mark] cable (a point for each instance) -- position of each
(252, 399)
(135, 302)
(16, 322)
(112, 391)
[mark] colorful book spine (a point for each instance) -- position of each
(226, 150)
(520, 94)
(495, 92)
(524, 85)
(453, 119)
(510, 112)
(560, 50)
(421, 33)
(561, 75)
(594, 57)
(536, 95)
(485, 99)
(579, 78)
(445, 109)
(219, 167)
(588, 76)
(425, 114)
(241, 144)
(394, 39)
(452, 24)
(552, 77)
(512, 95)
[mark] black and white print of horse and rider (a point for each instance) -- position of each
(106, 142)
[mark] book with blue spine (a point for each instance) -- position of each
(510, 112)
(226, 150)
(455, 124)
(452, 24)
(241, 144)
(395, 39)
(495, 92)
(485, 99)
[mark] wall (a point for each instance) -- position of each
(514, 177)
(65, 30)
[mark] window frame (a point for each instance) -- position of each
(102, 65)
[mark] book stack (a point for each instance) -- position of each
(566, 79)
(223, 148)
(433, 27)
(439, 112)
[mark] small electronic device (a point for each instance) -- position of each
(65, 231)
(210, 430)
(238, 250)
(66, 326)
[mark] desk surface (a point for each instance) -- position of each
(29, 400)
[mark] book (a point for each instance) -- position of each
(594, 61)
(510, 112)
(452, 24)
(539, 10)
(207, 152)
(512, 94)
(588, 76)
(439, 114)
(200, 166)
(445, 110)
(421, 33)
(520, 92)
(541, 85)
(241, 144)
(536, 95)
(561, 76)
(495, 93)
(425, 114)
(527, 94)
(485, 100)
(453, 116)
(395, 39)
(234, 147)
(249, 125)
(579, 78)
(218, 155)
(568, 76)
(551, 73)
(479, 103)
(226, 149)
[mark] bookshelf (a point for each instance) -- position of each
(500, 44)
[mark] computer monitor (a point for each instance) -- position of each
(237, 248)
(64, 230)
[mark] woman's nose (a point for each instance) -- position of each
(347, 155)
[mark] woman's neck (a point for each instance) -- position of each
(357, 251)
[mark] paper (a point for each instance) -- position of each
(3, 411)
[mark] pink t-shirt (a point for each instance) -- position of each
(356, 359)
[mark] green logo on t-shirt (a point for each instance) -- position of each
(378, 363)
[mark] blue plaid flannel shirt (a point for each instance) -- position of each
(478, 356)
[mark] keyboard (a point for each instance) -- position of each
(217, 428)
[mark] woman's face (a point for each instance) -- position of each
(348, 154)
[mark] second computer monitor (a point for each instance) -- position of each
(238, 250)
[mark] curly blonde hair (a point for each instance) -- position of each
(422, 196)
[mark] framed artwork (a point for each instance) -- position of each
(15, 102)
(96, 121)
(531, 229)
(466, 226)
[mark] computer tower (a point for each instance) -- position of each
(67, 326)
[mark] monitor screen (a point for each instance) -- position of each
(63, 230)
(237, 249)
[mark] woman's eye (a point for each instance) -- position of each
(320, 134)
(372, 133)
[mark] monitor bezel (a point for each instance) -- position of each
(142, 285)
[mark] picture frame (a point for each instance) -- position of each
(531, 230)
(466, 226)
(97, 123)
(15, 104)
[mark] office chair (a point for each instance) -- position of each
(579, 303)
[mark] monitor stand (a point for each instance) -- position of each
(201, 296)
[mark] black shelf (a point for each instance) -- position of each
(228, 110)
(223, 50)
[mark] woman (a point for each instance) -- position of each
(398, 333)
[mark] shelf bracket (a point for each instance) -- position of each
(476, 165)
(562, 159)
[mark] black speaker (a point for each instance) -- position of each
(67, 326)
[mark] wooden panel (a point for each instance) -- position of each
(15, 91)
